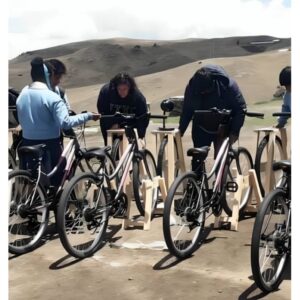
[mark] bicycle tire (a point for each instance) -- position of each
(115, 149)
(72, 216)
(241, 171)
(137, 182)
(161, 156)
(261, 147)
(169, 220)
(12, 164)
(33, 219)
(257, 242)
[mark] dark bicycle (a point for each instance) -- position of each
(31, 197)
(90, 199)
(192, 195)
(271, 236)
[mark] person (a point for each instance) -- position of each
(122, 95)
(210, 87)
(285, 80)
(59, 70)
(42, 114)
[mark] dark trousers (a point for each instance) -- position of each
(50, 158)
(201, 138)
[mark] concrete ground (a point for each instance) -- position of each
(135, 264)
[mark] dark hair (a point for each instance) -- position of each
(59, 67)
(204, 80)
(123, 78)
(37, 69)
(285, 76)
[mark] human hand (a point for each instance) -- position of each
(95, 116)
(278, 125)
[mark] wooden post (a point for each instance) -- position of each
(171, 163)
(283, 136)
(148, 188)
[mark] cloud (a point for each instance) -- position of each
(32, 26)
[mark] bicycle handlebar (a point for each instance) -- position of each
(131, 117)
(254, 114)
(282, 114)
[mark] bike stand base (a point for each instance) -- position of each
(148, 187)
(251, 207)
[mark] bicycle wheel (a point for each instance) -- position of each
(261, 161)
(161, 158)
(82, 215)
(140, 173)
(184, 217)
(243, 163)
(28, 212)
(12, 164)
(115, 149)
(270, 241)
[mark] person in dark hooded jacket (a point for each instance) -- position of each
(211, 87)
(122, 95)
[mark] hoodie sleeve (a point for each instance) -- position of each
(237, 104)
(61, 115)
(187, 111)
(141, 108)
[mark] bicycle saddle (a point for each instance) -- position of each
(36, 150)
(284, 165)
(201, 152)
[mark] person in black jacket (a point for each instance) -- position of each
(122, 95)
(211, 87)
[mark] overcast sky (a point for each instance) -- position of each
(33, 24)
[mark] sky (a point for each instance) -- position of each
(32, 25)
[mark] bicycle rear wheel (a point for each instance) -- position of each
(82, 215)
(243, 163)
(261, 161)
(184, 217)
(149, 172)
(28, 212)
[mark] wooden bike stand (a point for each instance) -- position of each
(252, 205)
(170, 153)
(149, 187)
(111, 133)
(267, 167)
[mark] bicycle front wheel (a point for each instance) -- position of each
(184, 216)
(28, 212)
(261, 162)
(142, 170)
(243, 163)
(270, 241)
(161, 158)
(82, 215)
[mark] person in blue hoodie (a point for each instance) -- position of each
(122, 95)
(211, 87)
(42, 114)
(285, 79)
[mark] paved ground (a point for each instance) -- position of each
(220, 269)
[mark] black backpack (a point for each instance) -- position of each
(12, 108)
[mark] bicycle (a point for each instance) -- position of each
(31, 195)
(271, 236)
(89, 199)
(261, 156)
(191, 196)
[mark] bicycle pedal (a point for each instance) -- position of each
(232, 187)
